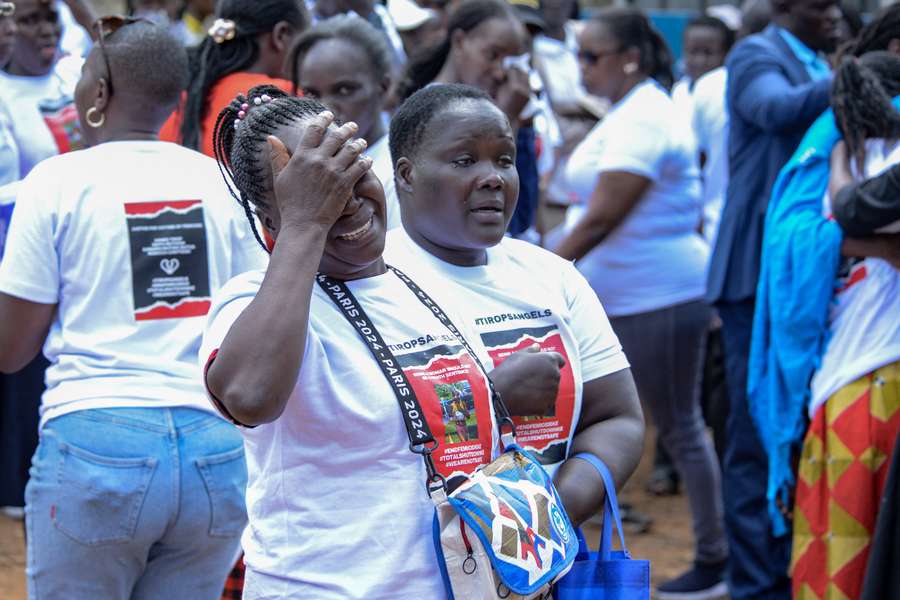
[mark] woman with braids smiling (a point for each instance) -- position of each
(336, 500)
(246, 46)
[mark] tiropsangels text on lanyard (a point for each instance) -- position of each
(502, 532)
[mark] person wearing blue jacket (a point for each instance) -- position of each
(778, 85)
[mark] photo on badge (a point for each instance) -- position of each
(457, 411)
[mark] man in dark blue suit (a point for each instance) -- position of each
(778, 84)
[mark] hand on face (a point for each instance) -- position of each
(314, 186)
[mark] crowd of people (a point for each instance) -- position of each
(234, 234)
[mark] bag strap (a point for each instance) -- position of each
(610, 507)
(421, 439)
(503, 417)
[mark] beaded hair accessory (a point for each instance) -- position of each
(223, 30)
(246, 106)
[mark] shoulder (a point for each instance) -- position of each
(530, 257)
(711, 84)
(245, 285)
(238, 83)
(63, 168)
(764, 47)
(227, 88)
(648, 105)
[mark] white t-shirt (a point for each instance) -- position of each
(45, 121)
(682, 96)
(7, 203)
(557, 62)
(655, 258)
(864, 318)
(130, 240)
(383, 167)
(9, 149)
(525, 295)
(336, 500)
(709, 119)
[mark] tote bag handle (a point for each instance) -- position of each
(610, 508)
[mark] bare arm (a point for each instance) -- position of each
(611, 428)
(885, 247)
(23, 328)
(616, 195)
(258, 362)
(840, 173)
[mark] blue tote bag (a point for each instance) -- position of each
(607, 574)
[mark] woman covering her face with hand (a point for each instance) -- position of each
(345, 63)
(336, 500)
(454, 155)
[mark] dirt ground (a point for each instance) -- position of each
(668, 545)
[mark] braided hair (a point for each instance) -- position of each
(632, 28)
(211, 61)
(861, 97)
(427, 65)
(877, 34)
(238, 142)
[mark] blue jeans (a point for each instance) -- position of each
(758, 565)
(134, 503)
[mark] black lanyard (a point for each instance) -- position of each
(421, 440)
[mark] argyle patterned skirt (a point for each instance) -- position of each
(842, 472)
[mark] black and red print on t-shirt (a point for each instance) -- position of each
(169, 264)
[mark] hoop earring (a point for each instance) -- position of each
(88, 117)
(630, 68)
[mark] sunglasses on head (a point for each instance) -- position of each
(592, 58)
(105, 27)
(7, 9)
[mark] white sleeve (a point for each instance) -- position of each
(598, 346)
(637, 147)
(30, 266)
(219, 320)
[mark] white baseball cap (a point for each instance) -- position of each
(407, 15)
